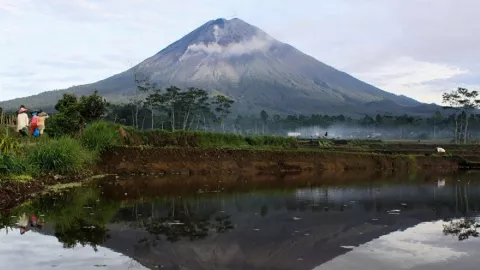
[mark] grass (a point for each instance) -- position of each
(11, 165)
(161, 138)
(101, 136)
(64, 156)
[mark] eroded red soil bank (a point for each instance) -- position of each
(230, 161)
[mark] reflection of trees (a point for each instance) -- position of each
(182, 220)
(466, 226)
(463, 228)
(78, 216)
(81, 232)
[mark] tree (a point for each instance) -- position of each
(464, 99)
(437, 118)
(73, 114)
(223, 104)
(166, 101)
(68, 120)
(192, 102)
(145, 86)
(92, 107)
(264, 116)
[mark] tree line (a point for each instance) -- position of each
(174, 109)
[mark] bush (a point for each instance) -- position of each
(13, 165)
(101, 136)
(8, 144)
(325, 143)
(63, 156)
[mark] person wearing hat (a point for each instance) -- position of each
(22, 121)
(42, 116)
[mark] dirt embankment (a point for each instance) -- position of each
(248, 161)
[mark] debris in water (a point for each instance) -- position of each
(403, 204)
(375, 219)
(256, 230)
(307, 234)
(300, 259)
(297, 218)
(126, 194)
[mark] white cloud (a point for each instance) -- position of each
(417, 79)
(254, 44)
(414, 248)
(355, 36)
(46, 252)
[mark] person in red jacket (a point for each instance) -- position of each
(33, 122)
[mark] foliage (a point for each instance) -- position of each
(181, 138)
(92, 107)
(67, 123)
(63, 156)
(182, 106)
(12, 165)
(73, 114)
(325, 143)
(274, 141)
(101, 136)
(463, 99)
(8, 144)
(223, 105)
(463, 228)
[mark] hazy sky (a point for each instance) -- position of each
(419, 48)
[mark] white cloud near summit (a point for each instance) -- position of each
(418, 48)
(234, 49)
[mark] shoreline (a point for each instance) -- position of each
(190, 161)
(250, 163)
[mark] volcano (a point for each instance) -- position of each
(246, 64)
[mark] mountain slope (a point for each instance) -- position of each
(246, 64)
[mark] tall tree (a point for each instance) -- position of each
(145, 86)
(264, 116)
(92, 107)
(464, 99)
(167, 101)
(223, 105)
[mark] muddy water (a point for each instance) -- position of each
(291, 222)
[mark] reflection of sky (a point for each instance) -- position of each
(36, 251)
(421, 247)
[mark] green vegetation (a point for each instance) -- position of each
(63, 156)
(74, 113)
(101, 136)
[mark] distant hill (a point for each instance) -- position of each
(257, 71)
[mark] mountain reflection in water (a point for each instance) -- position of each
(261, 222)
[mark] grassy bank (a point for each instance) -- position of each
(27, 158)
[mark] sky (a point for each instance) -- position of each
(418, 48)
(43, 252)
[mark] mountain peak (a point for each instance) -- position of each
(233, 57)
(220, 37)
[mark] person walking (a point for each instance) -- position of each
(33, 123)
(42, 116)
(22, 121)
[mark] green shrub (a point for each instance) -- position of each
(101, 136)
(63, 156)
(8, 144)
(213, 139)
(325, 143)
(12, 165)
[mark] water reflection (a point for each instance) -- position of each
(261, 222)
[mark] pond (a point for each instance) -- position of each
(258, 222)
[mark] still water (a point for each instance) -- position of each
(291, 222)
